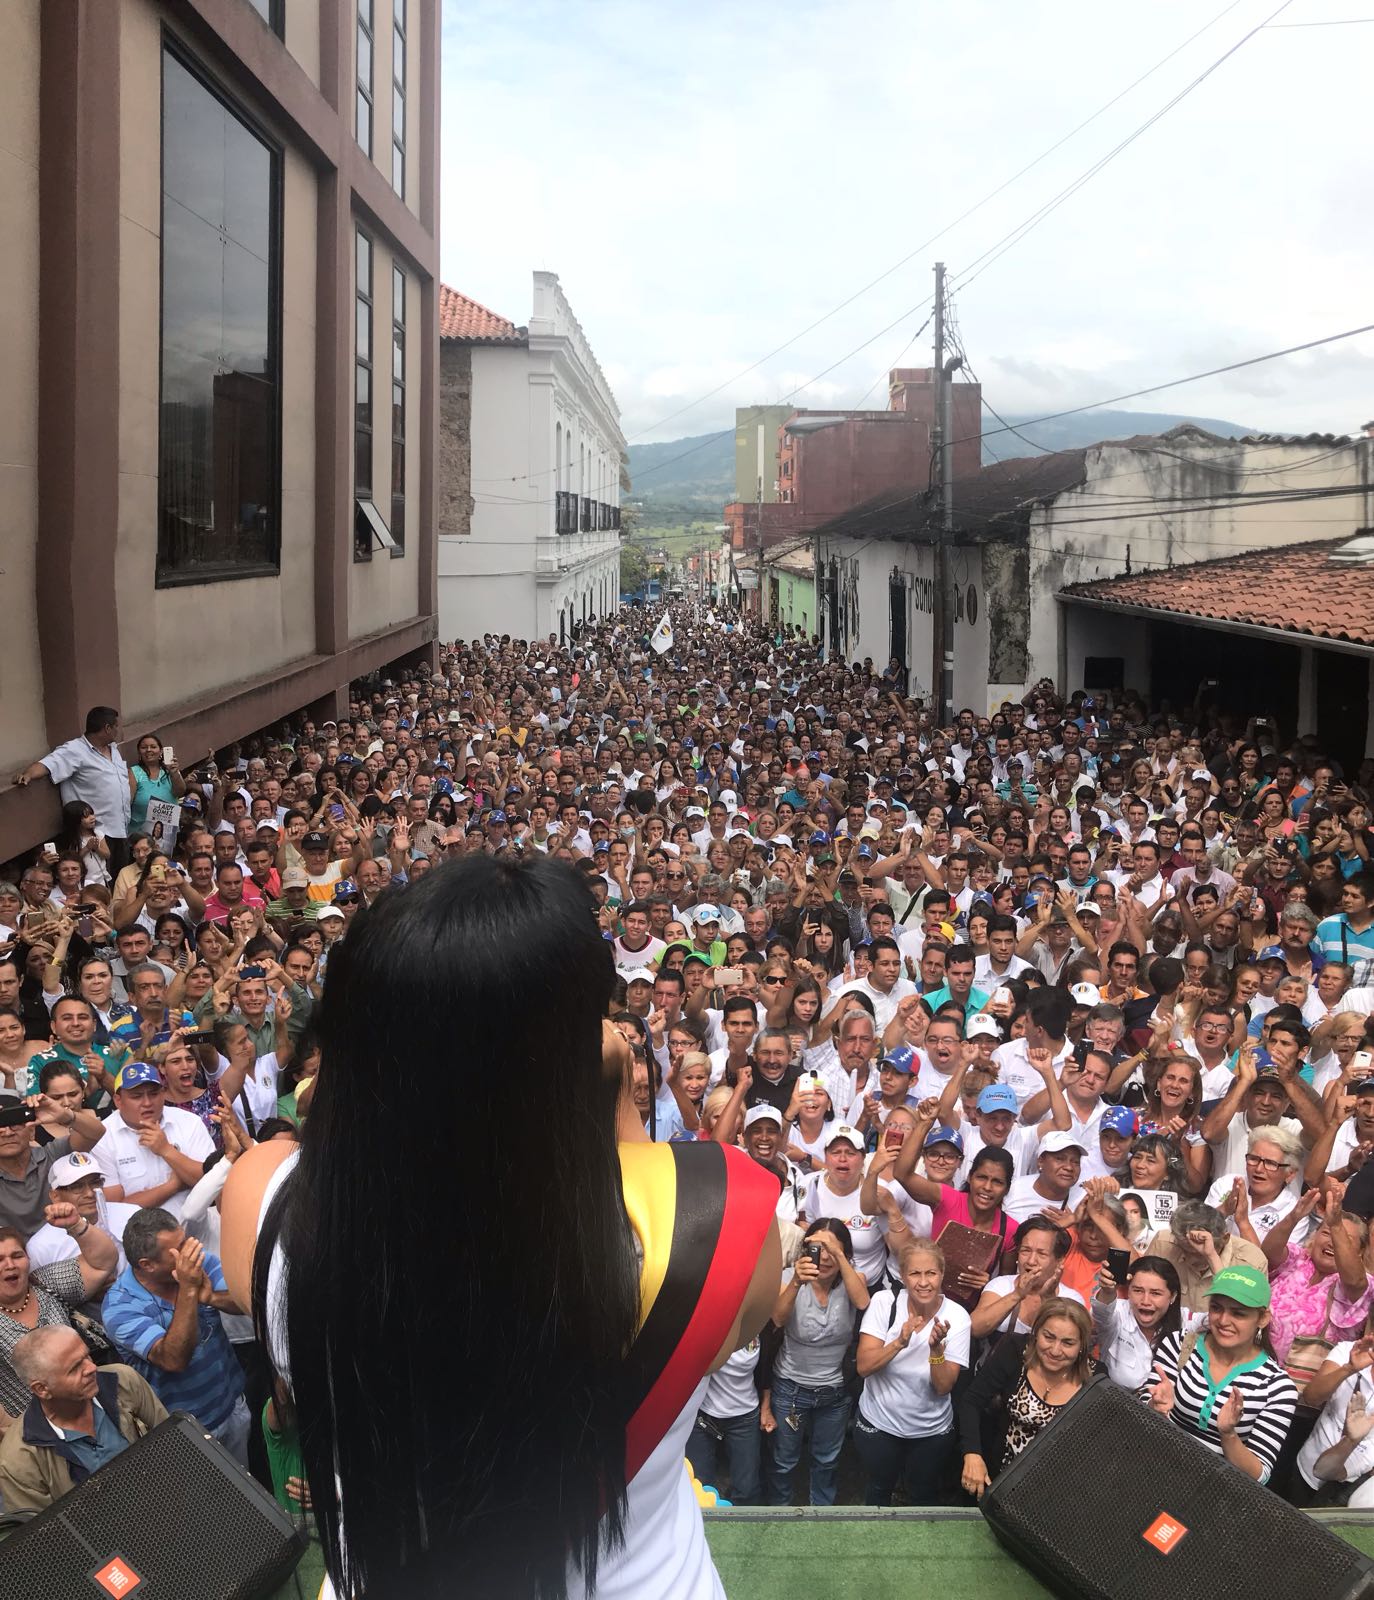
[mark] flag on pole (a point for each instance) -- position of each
(661, 640)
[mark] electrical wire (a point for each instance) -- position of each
(948, 227)
(980, 264)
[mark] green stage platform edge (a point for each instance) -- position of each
(854, 1553)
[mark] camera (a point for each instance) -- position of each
(812, 1252)
(17, 1116)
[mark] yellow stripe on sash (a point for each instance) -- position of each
(649, 1178)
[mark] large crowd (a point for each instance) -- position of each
(1051, 1023)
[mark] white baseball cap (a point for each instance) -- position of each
(762, 1112)
(628, 975)
(1060, 1139)
(73, 1168)
(983, 1027)
(842, 1130)
(1084, 994)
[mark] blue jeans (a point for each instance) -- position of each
(887, 1458)
(741, 1441)
(820, 1413)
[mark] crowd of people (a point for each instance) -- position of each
(1051, 1023)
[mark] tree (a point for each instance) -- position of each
(634, 567)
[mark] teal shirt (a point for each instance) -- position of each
(147, 789)
(977, 1001)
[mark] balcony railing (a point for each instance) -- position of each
(578, 513)
(565, 511)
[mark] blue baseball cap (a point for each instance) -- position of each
(902, 1059)
(1272, 952)
(864, 852)
(998, 1097)
(136, 1073)
(945, 1135)
(342, 889)
(497, 816)
(820, 838)
(1119, 1119)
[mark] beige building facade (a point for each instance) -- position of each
(218, 407)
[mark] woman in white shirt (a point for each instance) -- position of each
(912, 1348)
(1130, 1327)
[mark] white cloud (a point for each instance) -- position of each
(709, 179)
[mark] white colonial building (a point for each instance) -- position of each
(530, 460)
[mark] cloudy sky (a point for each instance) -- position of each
(710, 179)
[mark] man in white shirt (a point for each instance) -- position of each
(152, 1154)
(1001, 963)
(78, 1179)
(636, 947)
(90, 769)
(1047, 1021)
(884, 985)
(1144, 879)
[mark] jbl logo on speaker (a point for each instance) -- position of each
(1165, 1534)
(117, 1577)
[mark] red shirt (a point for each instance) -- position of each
(217, 910)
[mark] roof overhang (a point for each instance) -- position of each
(1251, 630)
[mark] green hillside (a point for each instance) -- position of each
(682, 480)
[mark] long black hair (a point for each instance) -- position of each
(464, 1378)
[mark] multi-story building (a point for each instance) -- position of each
(756, 451)
(218, 403)
(531, 457)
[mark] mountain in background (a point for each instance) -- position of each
(696, 475)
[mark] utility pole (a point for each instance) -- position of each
(942, 642)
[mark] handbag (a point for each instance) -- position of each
(1308, 1351)
(103, 1350)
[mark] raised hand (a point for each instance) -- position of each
(1162, 1395)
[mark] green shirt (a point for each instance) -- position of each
(113, 1056)
(284, 1458)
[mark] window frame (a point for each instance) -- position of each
(276, 15)
(171, 577)
(362, 543)
(400, 93)
(398, 412)
(366, 91)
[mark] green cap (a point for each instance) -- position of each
(1246, 1285)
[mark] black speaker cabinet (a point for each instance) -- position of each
(1113, 1502)
(173, 1518)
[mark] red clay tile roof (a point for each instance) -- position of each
(461, 318)
(1295, 587)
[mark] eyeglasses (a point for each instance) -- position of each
(347, 900)
(774, 982)
(1265, 1163)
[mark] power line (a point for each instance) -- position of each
(1010, 240)
(962, 217)
(1196, 377)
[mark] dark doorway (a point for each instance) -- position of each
(1342, 707)
(1240, 676)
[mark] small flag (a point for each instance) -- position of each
(661, 640)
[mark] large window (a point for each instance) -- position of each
(369, 526)
(219, 442)
(398, 97)
(363, 126)
(398, 410)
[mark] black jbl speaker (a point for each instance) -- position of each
(172, 1518)
(1113, 1502)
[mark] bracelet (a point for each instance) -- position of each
(937, 1361)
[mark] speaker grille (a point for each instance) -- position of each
(180, 1511)
(1075, 1506)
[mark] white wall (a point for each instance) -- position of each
(1094, 531)
(1105, 633)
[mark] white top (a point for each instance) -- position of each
(1023, 1146)
(1015, 1070)
(1004, 1284)
(730, 1391)
(135, 1168)
(1127, 1354)
(870, 1246)
(664, 1553)
(1023, 1201)
(899, 1398)
(1330, 1425)
(1228, 1152)
(96, 778)
(1262, 1218)
(884, 1005)
(51, 1244)
(984, 976)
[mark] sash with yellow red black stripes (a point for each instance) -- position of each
(701, 1212)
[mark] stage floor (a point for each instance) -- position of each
(851, 1553)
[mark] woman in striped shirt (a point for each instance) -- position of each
(1223, 1385)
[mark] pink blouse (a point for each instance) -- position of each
(1303, 1305)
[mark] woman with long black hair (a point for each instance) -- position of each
(500, 1409)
